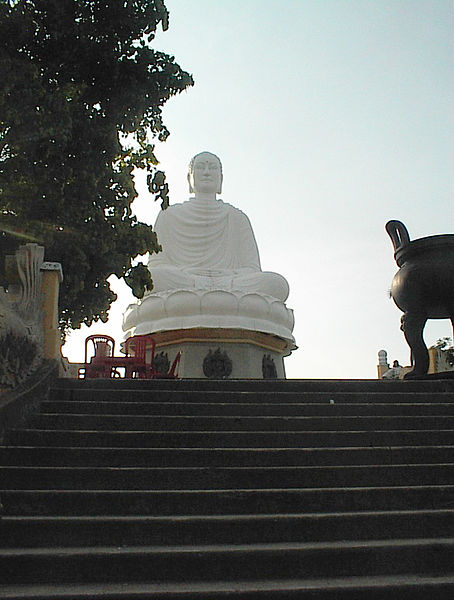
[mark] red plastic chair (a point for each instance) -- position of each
(102, 347)
(138, 345)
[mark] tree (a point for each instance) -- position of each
(81, 96)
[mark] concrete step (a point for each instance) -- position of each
(226, 439)
(259, 385)
(212, 478)
(432, 557)
(250, 409)
(395, 587)
(214, 502)
(104, 422)
(253, 395)
(217, 457)
(242, 489)
(23, 531)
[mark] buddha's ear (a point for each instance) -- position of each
(219, 190)
(191, 189)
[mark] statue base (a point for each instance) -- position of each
(216, 353)
(220, 333)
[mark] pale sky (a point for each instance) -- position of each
(331, 117)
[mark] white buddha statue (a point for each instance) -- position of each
(208, 275)
(208, 244)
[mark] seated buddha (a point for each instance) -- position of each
(207, 243)
(208, 273)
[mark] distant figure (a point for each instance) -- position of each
(393, 373)
(208, 244)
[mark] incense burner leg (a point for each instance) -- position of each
(412, 324)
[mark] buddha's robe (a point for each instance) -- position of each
(210, 245)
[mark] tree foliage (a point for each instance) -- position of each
(81, 96)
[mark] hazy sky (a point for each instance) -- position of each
(331, 117)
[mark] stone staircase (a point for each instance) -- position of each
(231, 489)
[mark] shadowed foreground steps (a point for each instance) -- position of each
(231, 489)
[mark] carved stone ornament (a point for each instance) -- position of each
(217, 365)
(23, 271)
(269, 370)
(162, 363)
(21, 330)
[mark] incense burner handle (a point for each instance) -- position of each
(398, 234)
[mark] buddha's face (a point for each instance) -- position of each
(206, 174)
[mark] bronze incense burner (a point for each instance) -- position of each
(423, 287)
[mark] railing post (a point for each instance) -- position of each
(52, 277)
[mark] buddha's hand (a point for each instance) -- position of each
(210, 272)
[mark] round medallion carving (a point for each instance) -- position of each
(217, 365)
(269, 370)
(162, 363)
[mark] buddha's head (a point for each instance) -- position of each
(205, 173)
